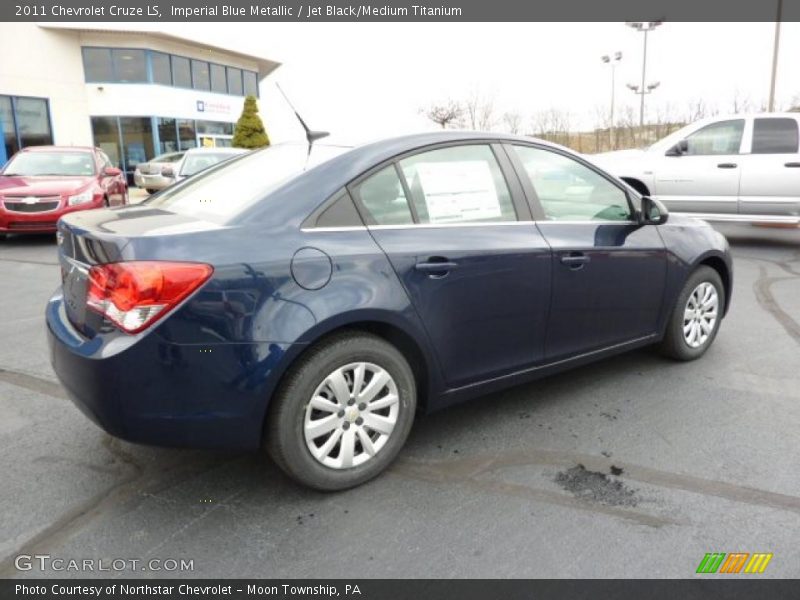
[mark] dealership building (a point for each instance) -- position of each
(135, 94)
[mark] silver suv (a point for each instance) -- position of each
(738, 168)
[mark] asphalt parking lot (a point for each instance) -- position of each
(632, 467)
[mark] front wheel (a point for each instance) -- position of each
(343, 412)
(696, 317)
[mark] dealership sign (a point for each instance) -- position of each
(214, 107)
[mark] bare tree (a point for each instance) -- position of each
(795, 105)
(479, 111)
(444, 114)
(513, 121)
(741, 103)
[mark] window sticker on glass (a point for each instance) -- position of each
(459, 191)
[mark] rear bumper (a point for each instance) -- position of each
(147, 390)
(152, 182)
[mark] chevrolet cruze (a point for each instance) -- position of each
(312, 299)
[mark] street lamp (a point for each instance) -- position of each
(645, 28)
(613, 60)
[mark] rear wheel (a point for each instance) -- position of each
(150, 191)
(696, 317)
(343, 412)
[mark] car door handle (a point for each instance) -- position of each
(575, 260)
(792, 165)
(436, 266)
(727, 165)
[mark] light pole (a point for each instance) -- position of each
(775, 48)
(612, 60)
(644, 28)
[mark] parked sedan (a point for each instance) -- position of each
(40, 184)
(742, 168)
(148, 174)
(313, 303)
(196, 160)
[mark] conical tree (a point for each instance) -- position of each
(249, 131)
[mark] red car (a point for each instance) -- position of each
(41, 183)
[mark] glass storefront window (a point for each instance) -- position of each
(33, 122)
(215, 127)
(181, 75)
(218, 82)
(250, 84)
(106, 137)
(159, 65)
(200, 76)
(234, 81)
(129, 65)
(167, 135)
(97, 65)
(10, 145)
(137, 141)
(23, 122)
(187, 136)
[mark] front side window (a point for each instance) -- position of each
(383, 198)
(571, 191)
(457, 185)
(774, 136)
(724, 137)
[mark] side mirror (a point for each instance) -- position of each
(112, 171)
(653, 212)
(168, 172)
(679, 149)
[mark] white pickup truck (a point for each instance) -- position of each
(740, 168)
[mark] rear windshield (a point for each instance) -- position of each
(168, 158)
(224, 191)
(69, 164)
(200, 161)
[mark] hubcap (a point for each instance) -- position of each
(700, 314)
(351, 415)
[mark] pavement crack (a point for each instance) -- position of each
(33, 383)
(763, 292)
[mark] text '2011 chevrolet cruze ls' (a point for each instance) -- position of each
(313, 301)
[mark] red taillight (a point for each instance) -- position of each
(133, 295)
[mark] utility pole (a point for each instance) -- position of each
(771, 105)
(613, 61)
(644, 88)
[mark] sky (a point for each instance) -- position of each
(367, 80)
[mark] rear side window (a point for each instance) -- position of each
(774, 136)
(383, 198)
(460, 184)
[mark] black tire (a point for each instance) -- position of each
(150, 191)
(674, 344)
(106, 204)
(284, 431)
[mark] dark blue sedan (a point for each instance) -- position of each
(312, 300)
